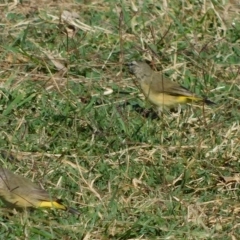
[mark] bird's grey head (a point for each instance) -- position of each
(140, 69)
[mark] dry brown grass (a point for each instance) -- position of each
(73, 119)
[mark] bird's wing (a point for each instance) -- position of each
(164, 85)
(21, 186)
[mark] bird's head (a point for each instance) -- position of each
(139, 69)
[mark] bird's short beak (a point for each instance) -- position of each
(127, 64)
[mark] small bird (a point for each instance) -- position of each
(159, 90)
(19, 192)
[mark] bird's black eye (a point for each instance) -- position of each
(131, 64)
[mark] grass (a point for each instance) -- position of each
(76, 123)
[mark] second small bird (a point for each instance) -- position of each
(159, 90)
(19, 192)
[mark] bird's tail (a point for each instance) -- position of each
(73, 211)
(198, 99)
(205, 100)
